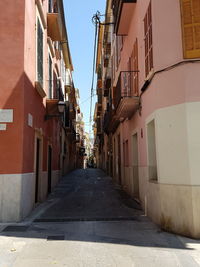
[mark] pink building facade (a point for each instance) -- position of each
(35, 79)
(152, 108)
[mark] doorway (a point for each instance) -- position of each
(37, 168)
(135, 167)
(49, 168)
(119, 158)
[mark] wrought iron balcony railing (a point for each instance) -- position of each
(125, 86)
(126, 98)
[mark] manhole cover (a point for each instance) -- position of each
(15, 228)
(55, 237)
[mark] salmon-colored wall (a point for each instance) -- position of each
(34, 103)
(18, 76)
(11, 77)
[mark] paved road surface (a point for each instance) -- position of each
(89, 222)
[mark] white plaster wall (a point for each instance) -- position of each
(10, 197)
(175, 207)
(196, 210)
(143, 187)
(193, 133)
(27, 194)
(172, 145)
(149, 195)
(153, 200)
(178, 144)
(16, 196)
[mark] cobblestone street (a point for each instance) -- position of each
(88, 221)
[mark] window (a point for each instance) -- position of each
(151, 141)
(190, 13)
(50, 6)
(50, 78)
(135, 68)
(119, 46)
(148, 41)
(39, 53)
(132, 74)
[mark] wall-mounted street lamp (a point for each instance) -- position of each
(61, 106)
(54, 108)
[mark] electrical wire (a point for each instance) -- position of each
(86, 100)
(95, 20)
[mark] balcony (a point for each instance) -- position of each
(52, 107)
(106, 61)
(99, 109)
(110, 122)
(107, 86)
(99, 83)
(107, 49)
(99, 99)
(123, 10)
(125, 102)
(54, 26)
(99, 87)
(72, 111)
(99, 91)
(99, 126)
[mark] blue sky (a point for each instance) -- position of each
(81, 39)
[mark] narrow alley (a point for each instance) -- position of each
(89, 221)
(99, 133)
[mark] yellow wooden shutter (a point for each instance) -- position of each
(190, 12)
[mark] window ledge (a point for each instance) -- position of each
(40, 89)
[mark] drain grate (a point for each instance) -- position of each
(55, 237)
(86, 219)
(16, 228)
